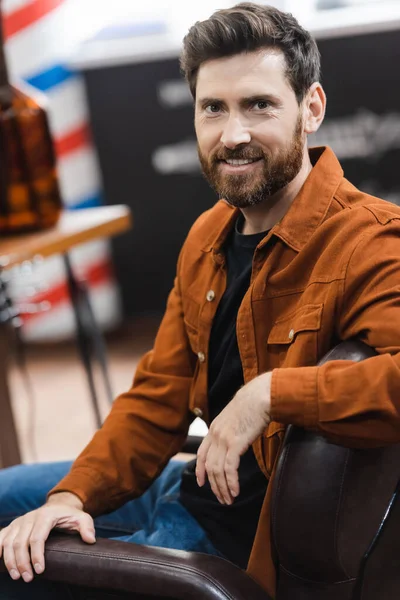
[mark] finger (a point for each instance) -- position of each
(3, 533)
(21, 551)
(39, 535)
(214, 486)
(212, 473)
(86, 529)
(232, 461)
(8, 554)
(201, 460)
(218, 474)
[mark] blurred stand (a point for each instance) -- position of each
(19, 250)
(40, 35)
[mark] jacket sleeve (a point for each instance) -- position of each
(356, 403)
(146, 426)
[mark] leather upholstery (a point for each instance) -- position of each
(327, 506)
(328, 503)
(145, 573)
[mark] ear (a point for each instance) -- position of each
(314, 108)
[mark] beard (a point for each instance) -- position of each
(244, 190)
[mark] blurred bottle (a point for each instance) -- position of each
(29, 192)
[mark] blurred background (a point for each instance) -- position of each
(121, 118)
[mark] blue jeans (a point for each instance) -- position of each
(155, 519)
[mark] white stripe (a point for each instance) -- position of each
(59, 322)
(79, 176)
(30, 281)
(95, 252)
(67, 108)
(47, 42)
(9, 6)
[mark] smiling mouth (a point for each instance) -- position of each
(239, 162)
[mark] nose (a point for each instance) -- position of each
(235, 133)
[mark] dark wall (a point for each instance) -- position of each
(129, 124)
(362, 124)
(360, 76)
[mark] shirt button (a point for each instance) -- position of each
(210, 295)
(201, 356)
(198, 412)
(291, 334)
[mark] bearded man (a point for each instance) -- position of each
(290, 261)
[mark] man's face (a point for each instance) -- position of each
(249, 126)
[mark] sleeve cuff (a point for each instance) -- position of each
(85, 488)
(294, 396)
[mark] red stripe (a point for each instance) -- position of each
(95, 275)
(73, 141)
(17, 20)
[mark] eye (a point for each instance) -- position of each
(261, 104)
(212, 108)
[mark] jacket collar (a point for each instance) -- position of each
(306, 213)
(309, 208)
(224, 217)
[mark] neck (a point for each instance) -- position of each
(264, 216)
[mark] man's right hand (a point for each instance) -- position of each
(22, 542)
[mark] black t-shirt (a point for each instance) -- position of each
(230, 528)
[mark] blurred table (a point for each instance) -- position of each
(73, 228)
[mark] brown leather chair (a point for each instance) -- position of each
(328, 505)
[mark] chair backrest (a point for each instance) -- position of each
(328, 503)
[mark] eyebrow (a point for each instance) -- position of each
(245, 101)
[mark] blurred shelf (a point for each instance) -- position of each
(73, 228)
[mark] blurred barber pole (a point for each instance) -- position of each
(40, 35)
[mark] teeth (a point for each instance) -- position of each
(241, 162)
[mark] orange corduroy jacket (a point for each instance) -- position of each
(328, 271)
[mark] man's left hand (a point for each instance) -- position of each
(231, 434)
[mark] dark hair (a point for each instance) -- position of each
(248, 27)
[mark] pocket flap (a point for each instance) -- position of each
(306, 318)
(273, 428)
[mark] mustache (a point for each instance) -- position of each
(238, 154)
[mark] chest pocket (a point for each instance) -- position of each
(293, 339)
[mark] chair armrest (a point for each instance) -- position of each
(192, 444)
(144, 570)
